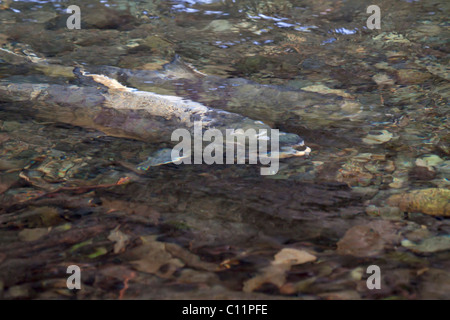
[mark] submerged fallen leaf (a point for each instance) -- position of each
(32, 234)
(292, 257)
(98, 252)
(189, 258)
(80, 245)
(155, 256)
(154, 262)
(275, 273)
(121, 240)
(124, 180)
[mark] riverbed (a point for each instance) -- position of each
(373, 191)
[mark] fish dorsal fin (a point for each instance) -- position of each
(180, 69)
(106, 81)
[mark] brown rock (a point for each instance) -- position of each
(361, 241)
(369, 240)
(422, 173)
(104, 18)
(432, 201)
(411, 76)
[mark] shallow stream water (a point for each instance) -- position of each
(373, 191)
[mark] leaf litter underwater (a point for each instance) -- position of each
(371, 104)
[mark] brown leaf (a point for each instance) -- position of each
(121, 240)
(292, 257)
(275, 273)
(32, 234)
(189, 258)
(156, 256)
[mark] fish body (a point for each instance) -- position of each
(125, 112)
(117, 110)
(271, 104)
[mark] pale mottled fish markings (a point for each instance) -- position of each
(126, 112)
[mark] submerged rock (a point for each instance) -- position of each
(219, 26)
(158, 45)
(411, 76)
(378, 138)
(422, 173)
(429, 161)
(432, 201)
(369, 240)
(434, 244)
(361, 241)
